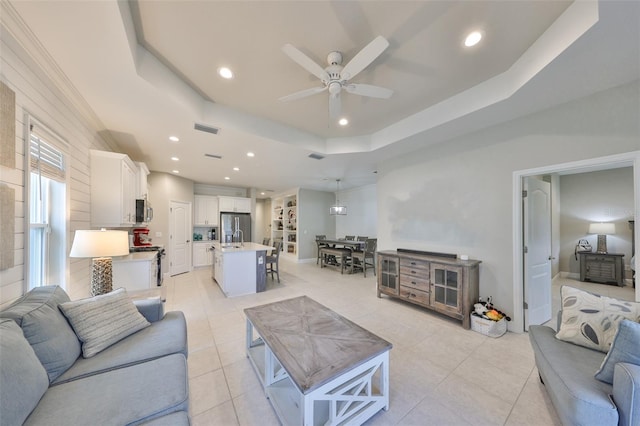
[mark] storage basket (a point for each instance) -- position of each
(488, 327)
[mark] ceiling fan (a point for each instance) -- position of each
(336, 77)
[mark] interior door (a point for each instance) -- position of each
(179, 237)
(537, 253)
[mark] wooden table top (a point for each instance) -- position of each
(313, 343)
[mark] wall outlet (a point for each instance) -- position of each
(158, 234)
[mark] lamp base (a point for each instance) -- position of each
(101, 276)
(602, 244)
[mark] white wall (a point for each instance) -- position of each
(362, 212)
(603, 196)
(456, 196)
(36, 93)
(313, 219)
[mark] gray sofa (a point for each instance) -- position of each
(142, 379)
(568, 370)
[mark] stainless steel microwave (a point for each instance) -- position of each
(144, 211)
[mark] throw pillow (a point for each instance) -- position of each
(625, 348)
(47, 330)
(103, 320)
(23, 380)
(591, 320)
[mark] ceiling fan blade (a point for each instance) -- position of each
(302, 94)
(335, 106)
(367, 55)
(305, 62)
(368, 90)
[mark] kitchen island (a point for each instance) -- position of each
(240, 268)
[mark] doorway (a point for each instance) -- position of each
(631, 159)
(179, 237)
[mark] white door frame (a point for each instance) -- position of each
(601, 163)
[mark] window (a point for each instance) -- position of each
(47, 208)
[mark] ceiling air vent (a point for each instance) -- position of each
(219, 157)
(316, 156)
(208, 129)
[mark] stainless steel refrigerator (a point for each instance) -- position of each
(228, 224)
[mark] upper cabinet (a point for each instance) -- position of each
(205, 211)
(114, 183)
(235, 204)
(142, 190)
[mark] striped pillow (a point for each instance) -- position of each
(103, 320)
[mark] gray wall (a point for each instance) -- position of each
(457, 196)
(362, 212)
(163, 188)
(313, 219)
(604, 196)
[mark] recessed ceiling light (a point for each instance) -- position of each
(176, 171)
(473, 38)
(174, 139)
(250, 154)
(227, 178)
(175, 159)
(262, 193)
(343, 121)
(225, 72)
(236, 169)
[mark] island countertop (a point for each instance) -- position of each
(237, 248)
(141, 256)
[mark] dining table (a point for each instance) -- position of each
(352, 245)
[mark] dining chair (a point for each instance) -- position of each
(320, 245)
(361, 238)
(369, 253)
(350, 237)
(273, 261)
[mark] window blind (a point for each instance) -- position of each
(47, 160)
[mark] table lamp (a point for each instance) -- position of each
(100, 246)
(602, 229)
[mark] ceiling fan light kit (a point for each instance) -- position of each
(336, 77)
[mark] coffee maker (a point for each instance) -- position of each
(141, 237)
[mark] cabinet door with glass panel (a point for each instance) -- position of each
(388, 275)
(446, 288)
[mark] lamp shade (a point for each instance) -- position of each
(103, 243)
(602, 228)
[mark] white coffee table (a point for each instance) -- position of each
(317, 367)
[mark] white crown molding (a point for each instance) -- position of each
(13, 23)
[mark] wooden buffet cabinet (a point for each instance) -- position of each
(444, 284)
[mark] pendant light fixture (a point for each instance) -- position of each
(338, 209)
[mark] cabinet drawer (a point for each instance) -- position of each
(412, 264)
(419, 283)
(416, 296)
(415, 271)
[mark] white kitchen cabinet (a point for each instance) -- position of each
(235, 204)
(142, 191)
(136, 271)
(113, 189)
(206, 210)
(202, 254)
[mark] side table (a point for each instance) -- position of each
(602, 268)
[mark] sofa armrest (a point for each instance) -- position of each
(626, 393)
(152, 308)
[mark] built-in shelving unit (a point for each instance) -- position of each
(284, 225)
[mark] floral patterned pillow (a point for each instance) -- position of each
(591, 320)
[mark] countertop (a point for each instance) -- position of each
(141, 256)
(244, 248)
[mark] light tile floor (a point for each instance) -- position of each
(440, 373)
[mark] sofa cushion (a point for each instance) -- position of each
(165, 337)
(47, 330)
(625, 348)
(129, 395)
(567, 371)
(591, 320)
(23, 380)
(102, 320)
